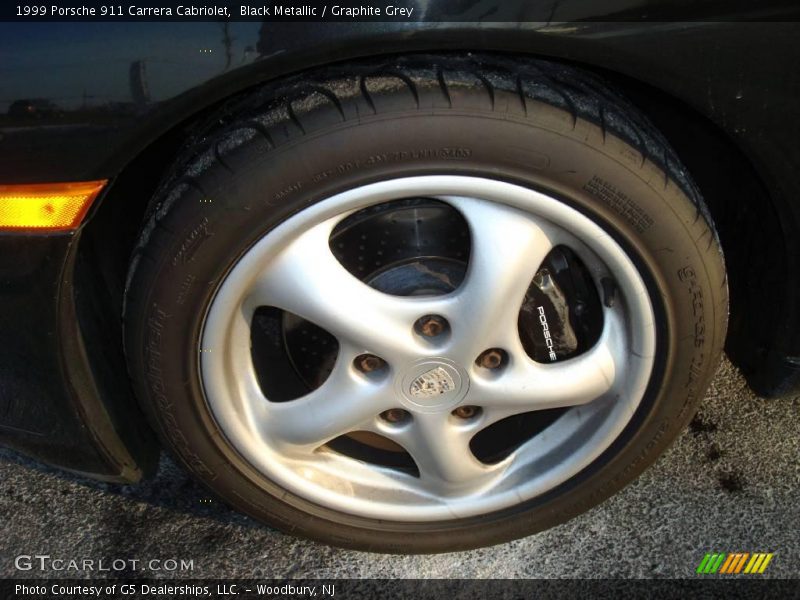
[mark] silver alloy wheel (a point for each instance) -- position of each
(512, 229)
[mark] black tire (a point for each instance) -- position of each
(280, 148)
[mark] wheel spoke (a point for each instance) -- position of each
(441, 451)
(308, 280)
(526, 385)
(344, 403)
(508, 247)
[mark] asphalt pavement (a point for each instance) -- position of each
(730, 483)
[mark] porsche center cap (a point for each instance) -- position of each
(435, 382)
(431, 385)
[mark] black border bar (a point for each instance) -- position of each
(400, 589)
(433, 11)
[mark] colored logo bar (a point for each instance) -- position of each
(734, 563)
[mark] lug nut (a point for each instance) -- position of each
(431, 325)
(394, 415)
(492, 358)
(466, 412)
(367, 363)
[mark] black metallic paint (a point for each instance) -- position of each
(64, 397)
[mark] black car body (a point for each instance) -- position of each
(116, 99)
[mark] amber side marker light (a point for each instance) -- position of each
(46, 206)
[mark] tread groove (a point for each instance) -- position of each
(218, 157)
(603, 122)
(521, 93)
(408, 81)
(293, 116)
(362, 83)
(333, 98)
(260, 129)
(489, 88)
(573, 108)
(443, 85)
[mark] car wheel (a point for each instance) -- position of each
(424, 304)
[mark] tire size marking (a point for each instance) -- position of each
(689, 277)
(619, 202)
(156, 321)
(693, 380)
(445, 153)
(295, 187)
(186, 285)
(191, 243)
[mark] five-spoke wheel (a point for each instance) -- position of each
(428, 372)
